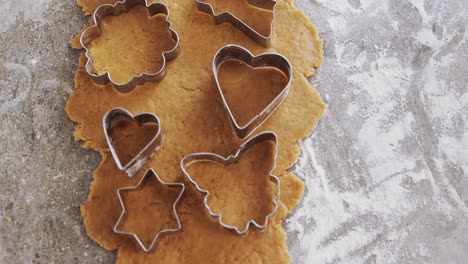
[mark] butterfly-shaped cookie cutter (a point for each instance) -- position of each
(94, 31)
(140, 186)
(274, 60)
(226, 161)
(110, 122)
(264, 40)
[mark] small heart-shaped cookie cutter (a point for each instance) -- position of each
(110, 120)
(275, 60)
(264, 40)
(94, 31)
(212, 157)
(140, 186)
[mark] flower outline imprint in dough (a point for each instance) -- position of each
(94, 31)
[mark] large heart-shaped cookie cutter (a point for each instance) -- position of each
(212, 157)
(262, 60)
(264, 40)
(94, 31)
(109, 122)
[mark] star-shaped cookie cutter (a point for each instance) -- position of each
(110, 121)
(140, 185)
(94, 31)
(212, 157)
(242, 54)
(264, 40)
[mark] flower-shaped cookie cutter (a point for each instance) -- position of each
(109, 123)
(212, 157)
(264, 40)
(274, 60)
(94, 31)
(140, 186)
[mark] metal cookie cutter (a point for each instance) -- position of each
(94, 31)
(212, 157)
(261, 39)
(109, 122)
(140, 186)
(262, 60)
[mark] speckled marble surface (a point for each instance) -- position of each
(386, 170)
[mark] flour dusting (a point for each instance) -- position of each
(11, 11)
(386, 171)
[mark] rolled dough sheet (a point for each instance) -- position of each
(194, 120)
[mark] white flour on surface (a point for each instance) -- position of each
(10, 11)
(386, 171)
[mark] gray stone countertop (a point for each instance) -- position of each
(386, 171)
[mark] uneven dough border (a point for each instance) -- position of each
(304, 57)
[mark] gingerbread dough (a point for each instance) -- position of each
(130, 138)
(242, 191)
(140, 51)
(194, 120)
(261, 21)
(255, 88)
(152, 200)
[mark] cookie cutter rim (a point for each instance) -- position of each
(268, 59)
(92, 32)
(225, 161)
(144, 155)
(226, 16)
(124, 210)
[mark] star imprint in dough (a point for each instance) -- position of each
(130, 216)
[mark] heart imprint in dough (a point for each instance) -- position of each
(132, 140)
(251, 87)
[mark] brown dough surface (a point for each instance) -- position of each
(129, 138)
(242, 191)
(194, 120)
(141, 41)
(151, 200)
(249, 90)
(257, 18)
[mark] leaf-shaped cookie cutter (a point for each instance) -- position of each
(264, 40)
(109, 122)
(94, 31)
(212, 157)
(138, 188)
(274, 60)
